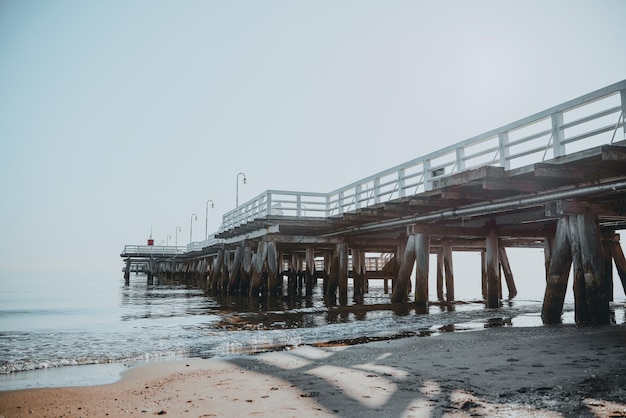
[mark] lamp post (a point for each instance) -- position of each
(206, 224)
(193, 215)
(167, 240)
(244, 182)
(176, 239)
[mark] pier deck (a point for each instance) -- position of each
(563, 169)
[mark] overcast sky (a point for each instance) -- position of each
(116, 116)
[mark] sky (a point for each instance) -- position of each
(119, 118)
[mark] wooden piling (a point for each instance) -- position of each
(608, 267)
(596, 279)
(440, 269)
(257, 262)
(216, 271)
(449, 272)
(332, 283)
(358, 274)
(619, 260)
(492, 268)
(310, 270)
(127, 272)
(581, 312)
(558, 273)
(342, 249)
(508, 273)
(273, 270)
(483, 273)
(399, 292)
(422, 256)
(246, 270)
(234, 284)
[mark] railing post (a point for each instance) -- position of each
(428, 185)
(377, 190)
(327, 214)
(503, 146)
(357, 199)
(557, 135)
(340, 202)
(298, 205)
(623, 97)
(460, 159)
(401, 192)
(268, 200)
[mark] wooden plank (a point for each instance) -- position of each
(548, 170)
(469, 176)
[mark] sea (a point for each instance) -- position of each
(86, 328)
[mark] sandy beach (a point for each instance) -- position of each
(540, 371)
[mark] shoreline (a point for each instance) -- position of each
(503, 371)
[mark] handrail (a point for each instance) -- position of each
(152, 250)
(577, 124)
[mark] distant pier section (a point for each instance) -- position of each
(554, 180)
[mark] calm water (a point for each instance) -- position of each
(59, 329)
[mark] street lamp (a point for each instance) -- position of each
(193, 215)
(244, 182)
(167, 240)
(176, 239)
(206, 225)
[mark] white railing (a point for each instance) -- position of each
(594, 119)
(152, 250)
(198, 246)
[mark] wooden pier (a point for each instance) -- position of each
(555, 180)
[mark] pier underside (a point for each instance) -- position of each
(570, 206)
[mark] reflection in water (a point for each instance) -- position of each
(162, 320)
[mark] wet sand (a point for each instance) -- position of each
(541, 371)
